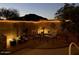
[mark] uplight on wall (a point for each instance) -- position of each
(43, 30)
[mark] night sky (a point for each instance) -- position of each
(47, 10)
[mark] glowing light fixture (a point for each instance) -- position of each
(43, 30)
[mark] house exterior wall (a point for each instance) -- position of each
(13, 28)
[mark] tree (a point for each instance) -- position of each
(70, 17)
(8, 13)
(33, 17)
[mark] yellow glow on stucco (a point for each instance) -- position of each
(10, 37)
(45, 30)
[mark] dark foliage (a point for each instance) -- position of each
(32, 17)
(8, 13)
(69, 12)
